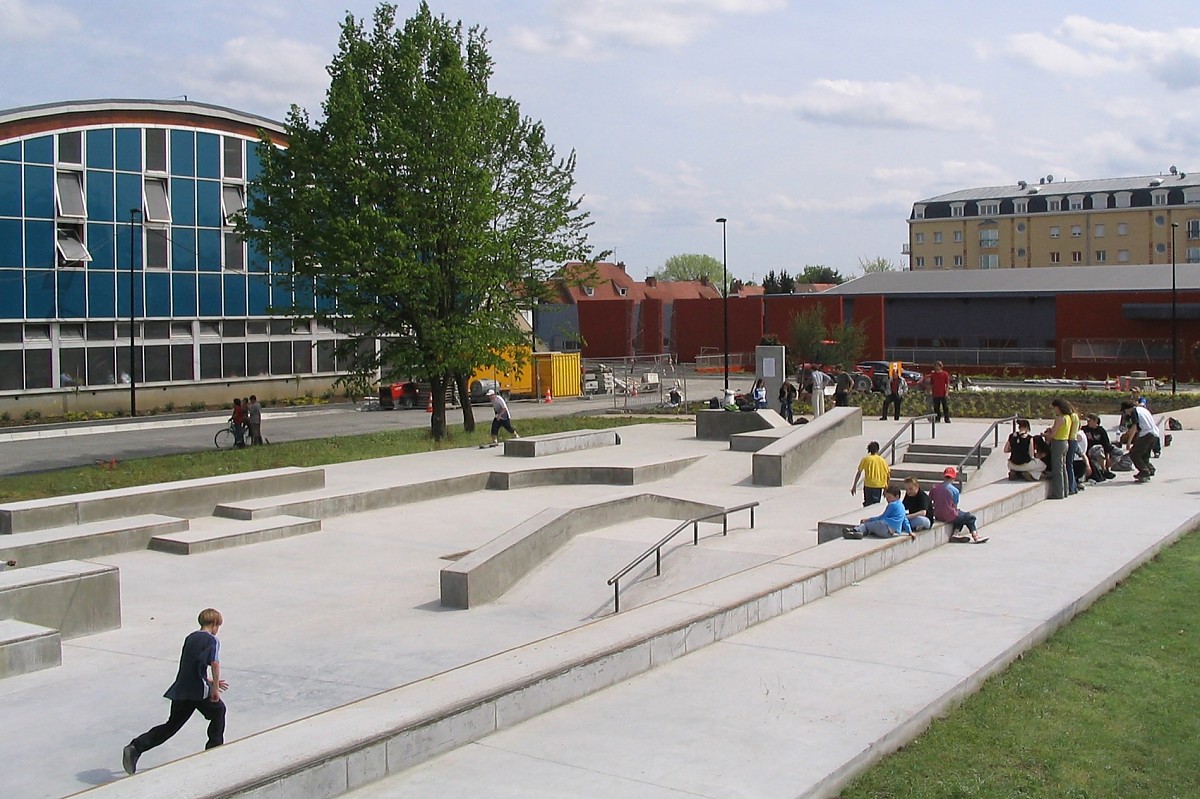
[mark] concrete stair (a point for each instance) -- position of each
(208, 535)
(926, 462)
(27, 647)
(86, 541)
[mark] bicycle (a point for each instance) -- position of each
(224, 439)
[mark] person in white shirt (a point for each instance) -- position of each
(1142, 436)
(502, 418)
(819, 381)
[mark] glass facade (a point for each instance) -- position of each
(85, 208)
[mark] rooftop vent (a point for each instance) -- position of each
(1156, 182)
(1022, 183)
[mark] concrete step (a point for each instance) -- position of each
(86, 541)
(928, 473)
(207, 535)
(955, 450)
(27, 647)
(936, 457)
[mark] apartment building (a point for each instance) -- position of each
(1106, 222)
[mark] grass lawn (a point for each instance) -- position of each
(1105, 708)
(316, 452)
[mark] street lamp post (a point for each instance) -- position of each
(134, 218)
(1174, 317)
(725, 298)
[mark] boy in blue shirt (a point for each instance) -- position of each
(893, 520)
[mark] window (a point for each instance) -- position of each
(1099, 231)
(937, 238)
(1020, 227)
(1020, 206)
(235, 251)
(70, 195)
(69, 244)
(918, 238)
(1160, 198)
(1076, 231)
(1076, 256)
(1123, 256)
(956, 209)
(1020, 252)
(1101, 256)
(158, 209)
(1055, 232)
(937, 260)
(1122, 229)
(958, 260)
(1123, 199)
(156, 248)
(1099, 201)
(588, 291)
(232, 203)
(1160, 248)
(919, 262)
(1054, 258)
(232, 150)
(1160, 220)
(70, 147)
(989, 238)
(989, 209)
(622, 291)
(1193, 255)
(1193, 228)
(958, 237)
(1054, 205)
(156, 150)
(918, 212)
(989, 261)
(1076, 203)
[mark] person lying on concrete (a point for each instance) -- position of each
(944, 497)
(917, 505)
(892, 522)
(877, 474)
(1023, 463)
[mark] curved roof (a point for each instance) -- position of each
(1179, 180)
(34, 119)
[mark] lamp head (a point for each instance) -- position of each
(722, 220)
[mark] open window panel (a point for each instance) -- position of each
(157, 204)
(70, 195)
(233, 202)
(70, 246)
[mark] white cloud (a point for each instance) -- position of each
(911, 104)
(590, 29)
(261, 72)
(1081, 46)
(22, 21)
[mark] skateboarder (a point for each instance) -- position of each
(191, 691)
(502, 419)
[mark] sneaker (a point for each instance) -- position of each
(852, 532)
(129, 759)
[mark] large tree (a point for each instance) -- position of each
(423, 211)
(820, 274)
(692, 266)
(877, 264)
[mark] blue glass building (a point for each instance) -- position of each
(120, 210)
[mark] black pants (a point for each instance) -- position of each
(181, 711)
(941, 408)
(891, 399)
(841, 399)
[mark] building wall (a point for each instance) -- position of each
(698, 326)
(1100, 334)
(650, 332)
(607, 328)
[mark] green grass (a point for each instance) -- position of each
(1031, 404)
(315, 452)
(1105, 708)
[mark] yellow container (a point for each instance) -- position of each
(560, 372)
(516, 378)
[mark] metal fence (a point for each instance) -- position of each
(966, 356)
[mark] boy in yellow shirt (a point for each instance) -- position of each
(877, 475)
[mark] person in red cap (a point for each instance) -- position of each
(944, 498)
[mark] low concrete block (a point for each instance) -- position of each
(208, 535)
(720, 425)
(74, 597)
(783, 461)
(86, 541)
(27, 647)
(755, 440)
(554, 443)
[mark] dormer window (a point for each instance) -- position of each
(1054, 205)
(956, 209)
(589, 291)
(621, 291)
(989, 209)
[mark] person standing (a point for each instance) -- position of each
(197, 687)
(1058, 434)
(502, 418)
(939, 390)
(238, 420)
(787, 395)
(254, 417)
(1142, 436)
(841, 387)
(759, 394)
(877, 473)
(897, 388)
(819, 381)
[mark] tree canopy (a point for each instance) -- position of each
(820, 274)
(877, 264)
(422, 212)
(692, 266)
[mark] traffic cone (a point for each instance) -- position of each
(549, 398)
(429, 407)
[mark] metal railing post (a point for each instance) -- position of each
(617, 596)
(695, 534)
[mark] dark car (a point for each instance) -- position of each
(877, 371)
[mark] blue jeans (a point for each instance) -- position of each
(920, 523)
(1072, 453)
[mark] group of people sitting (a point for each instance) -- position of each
(1075, 450)
(909, 507)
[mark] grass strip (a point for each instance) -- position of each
(1105, 708)
(313, 452)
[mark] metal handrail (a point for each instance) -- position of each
(615, 580)
(911, 427)
(977, 450)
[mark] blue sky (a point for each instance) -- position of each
(812, 126)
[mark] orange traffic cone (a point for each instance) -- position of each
(549, 398)
(429, 407)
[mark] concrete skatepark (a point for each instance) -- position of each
(350, 677)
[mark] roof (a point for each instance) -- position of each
(609, 281)
(78, 113)
(1062, 188)
(1048, 280)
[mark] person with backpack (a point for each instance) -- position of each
(897, 388)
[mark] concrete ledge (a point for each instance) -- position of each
(85, 541)
(589, 475)
(755, 440)
(74, 597)
(989, 503)
(783, 461)
(498, 565)
(208, 535)
(189, 498)
(554, 443)
(27, 647)
(720, 425)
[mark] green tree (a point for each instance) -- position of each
(770, 283)
(692, 266)
(787, 283)
(423, 211)
(877, 264)
(816, 341)
(820, 274)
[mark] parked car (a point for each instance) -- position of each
(877, 372)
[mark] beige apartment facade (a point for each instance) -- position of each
(1107, 222)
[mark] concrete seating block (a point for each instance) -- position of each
(720, 425)
(74, 597)
(27, 647)
(755, 440)
(554, 443)
(208, 535)
(85, 541)
(190, 498)
(783, 461)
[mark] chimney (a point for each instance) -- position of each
(621, 265)
(651, 282)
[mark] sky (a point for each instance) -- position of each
(812, 126)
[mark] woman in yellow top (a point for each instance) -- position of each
(1073, 453)
(877, 475)
(1059, 436)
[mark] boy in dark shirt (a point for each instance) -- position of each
(917, 505)
(191, 691)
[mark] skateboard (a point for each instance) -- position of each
(488, 446)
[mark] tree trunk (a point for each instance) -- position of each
(437, 421)
(461, 380)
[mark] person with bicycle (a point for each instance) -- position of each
(238, 422)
